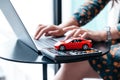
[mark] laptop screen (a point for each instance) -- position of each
(14, 20)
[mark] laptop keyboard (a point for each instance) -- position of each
(46, 42)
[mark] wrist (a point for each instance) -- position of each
(103, 35)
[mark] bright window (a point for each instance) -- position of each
(34, 12)
(31, 12)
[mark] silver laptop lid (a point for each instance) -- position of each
(16, 23)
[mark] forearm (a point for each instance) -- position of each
(69, 25)
(71, 22)
(89, 10)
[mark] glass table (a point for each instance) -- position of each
(17, 51)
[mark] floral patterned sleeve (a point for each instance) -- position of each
(89, 10)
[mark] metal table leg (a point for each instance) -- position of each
(44, 71)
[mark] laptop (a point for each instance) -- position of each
(44, 45)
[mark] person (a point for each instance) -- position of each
(107, 66)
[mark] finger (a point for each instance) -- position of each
(41, 32)
(80, 32)
(54, 33)
(84, 35)
(39, 28)
(58, 32)
(77, 33)
(70, 28)
(70, 35)
(47, 34)
(45, 30)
